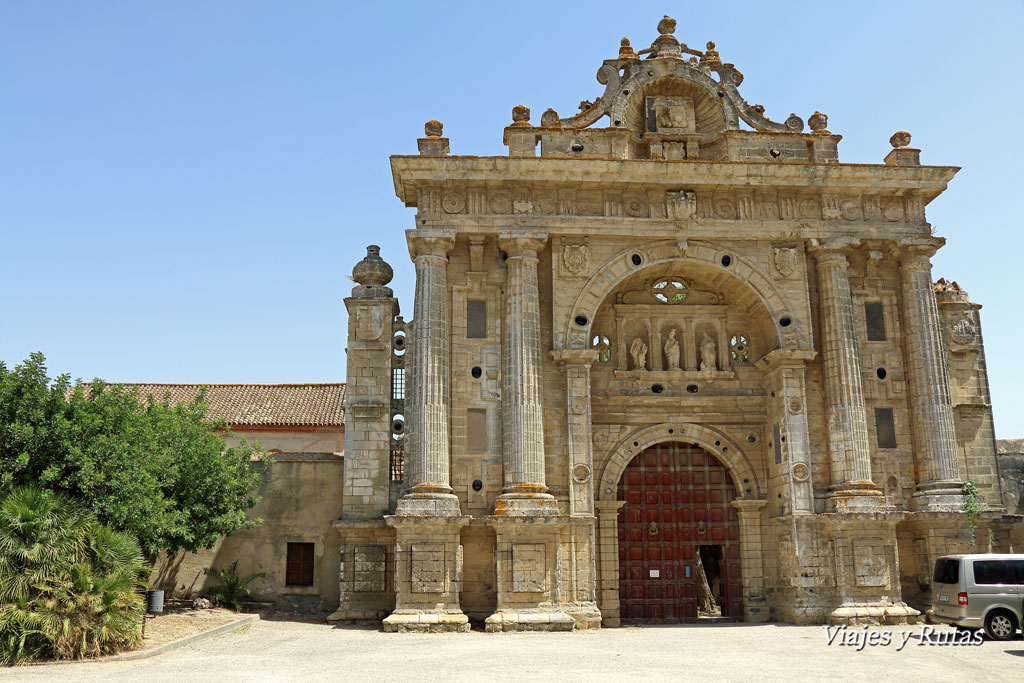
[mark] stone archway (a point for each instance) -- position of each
(715, 442)
(748, 505)
(786, 329)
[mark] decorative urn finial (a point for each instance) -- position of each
(667, 25)
(900, 138)
(433, 128)
(520, 115)
(626, 50)
(818, 121)
(372, 270)
(712, 54)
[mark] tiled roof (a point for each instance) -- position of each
(307, 405)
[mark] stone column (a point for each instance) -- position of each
(935, 448)
(522, 410)
(428, 465)
(575, 365)
(751, 559)
(427, 521)
(849, 455)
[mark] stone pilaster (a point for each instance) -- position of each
(428, 468)
(522, 410)
(608, 560)
(786, 371)
(575, 365)
(935, 447)
(749, 512)
(849, 454)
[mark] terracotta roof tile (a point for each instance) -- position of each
(308, 405)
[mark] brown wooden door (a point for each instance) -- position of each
(677, 498)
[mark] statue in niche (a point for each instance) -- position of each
(672, 351)
(707, 353)
(638, 350)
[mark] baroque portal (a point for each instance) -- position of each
(638, 385)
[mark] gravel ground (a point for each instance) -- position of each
(305, 651)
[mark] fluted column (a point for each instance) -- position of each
(849, 454)
(522, 410)
(428, 465)
(935, 448)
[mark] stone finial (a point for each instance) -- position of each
(818, 121)
(711, 55)
(667, 25)
(372, 270)
(520, 115)
(900, 138)
(549, 119)
(626, 50)
(433, 128)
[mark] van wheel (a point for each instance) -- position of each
(1000, 625)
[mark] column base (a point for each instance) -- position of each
(856, 614)
(938, 496)
(586, 614)
(529, 620)
(428, 505)
(415, 621)
(526, 500)
(857, 497)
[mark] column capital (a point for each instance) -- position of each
(573, 357)
(430, 242)
(797, 358)
(917, 252)
(832, 251)
(609, 507)
(522, 243)
(748, 505)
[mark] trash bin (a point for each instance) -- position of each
(155, 602)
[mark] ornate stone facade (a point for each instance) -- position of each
(660, 352)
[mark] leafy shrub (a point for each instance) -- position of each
(69, 586)
(233, 589)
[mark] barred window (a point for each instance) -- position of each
(398, 383)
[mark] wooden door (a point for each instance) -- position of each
(677, 498)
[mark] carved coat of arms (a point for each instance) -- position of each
(576, 258)
(785, 260)
(682, 205)
(369, 323)
(964, 331)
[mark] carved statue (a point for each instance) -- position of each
(708, 353)
(672, 351)
(638, 350)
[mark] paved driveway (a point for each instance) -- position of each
(296, 651)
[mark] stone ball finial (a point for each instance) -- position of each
(667, 25)
(818, 121)
(626, 50)
(433, 128)
(372, 270)
(520, 115)
(900, 138)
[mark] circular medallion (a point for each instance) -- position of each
(809, 209)
(579, 406)
(795, 406)
(800, 471)
(500, 202)
(635, 206)
(725, 209)
(851, 211)
(893, 211)
(581, 473)
(453, 202)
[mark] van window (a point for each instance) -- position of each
(947, 571)
(990, 572)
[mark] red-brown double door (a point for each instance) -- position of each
(677, 498)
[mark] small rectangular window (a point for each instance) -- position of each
(299, 566)
(885, 428)
(778, 446)
(476, 319)
(476, 430)
(946, 571)
(875, 315)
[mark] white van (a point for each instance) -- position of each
(980, 591)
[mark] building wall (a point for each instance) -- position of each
(301, 496)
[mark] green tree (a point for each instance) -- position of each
(160, 471)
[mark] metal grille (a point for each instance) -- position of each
(398, 460)
(398, 383)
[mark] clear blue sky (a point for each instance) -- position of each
(185, 185)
